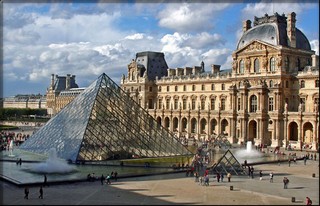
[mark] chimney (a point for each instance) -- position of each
(68, 82)
(52, 81)
(215, 68)
(246, 25)
(315, 60)
(291, 29)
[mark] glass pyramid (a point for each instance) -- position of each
(228, 163)
(104, 123)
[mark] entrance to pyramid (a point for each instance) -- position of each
(104, 124)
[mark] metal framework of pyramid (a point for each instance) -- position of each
(104, 123)
(222, 141)
(228, 163)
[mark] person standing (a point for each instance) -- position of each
(45, 181)
(26, 192)
(271, 177)
(229, 176)
(41, 192)
(222, 176)
(305, 160)
(260, 174)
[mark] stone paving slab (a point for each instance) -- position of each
(171, 189)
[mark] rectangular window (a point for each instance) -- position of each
(184, 88)
(203, 104)
(168, 88)
(150, 104)
(223, 104)
(167, 103)
(203, 87)
(270, 103)
(160, 104)
(176, 104)
(184, 104)
(222, 87)
(317, 83)
(150, 89)
(193, 104)
(212, 87)
(212, 104)
(239, 104)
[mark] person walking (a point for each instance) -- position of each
(108, 179)
(285, 183)
(102, 178)
(222, 176)
(26, 192)
(41, 192)
(260, 174)
(229, 176)
(305, 160)
(308, 201)
(271, 177)
(115, 175)
(289, 161)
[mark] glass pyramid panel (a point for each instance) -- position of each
(104, 123)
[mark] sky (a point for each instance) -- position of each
(94, 37)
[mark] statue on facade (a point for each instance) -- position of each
(286, 107)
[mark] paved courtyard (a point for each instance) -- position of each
(178, 189)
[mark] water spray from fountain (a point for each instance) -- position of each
(248, 153)
(53, 164)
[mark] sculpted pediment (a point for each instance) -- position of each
(257, 46)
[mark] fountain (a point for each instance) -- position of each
(248, 153)
(53, 165)
(11, 149)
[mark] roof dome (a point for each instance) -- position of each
(273, 32)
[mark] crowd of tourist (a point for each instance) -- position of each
(7, 136)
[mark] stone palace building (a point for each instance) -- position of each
(270, 96)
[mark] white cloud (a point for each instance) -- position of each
(189, 17)
(135, 36)
(265, 6)
(315, 46)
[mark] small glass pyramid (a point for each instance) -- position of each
(104, 123)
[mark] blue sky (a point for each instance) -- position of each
(87, 39)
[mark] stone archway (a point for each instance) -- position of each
(167, 123)
(308, 133)
(224, 127)
(203, 126)
(159, 121)
(175, 123)
(213, 129)
(184, 125)
(293, 131)
(252, 131)
(193, 125)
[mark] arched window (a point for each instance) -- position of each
(253, 103)
(241, 67)
(272, 64)
(256, 65)
(271, 83)
(286, 64)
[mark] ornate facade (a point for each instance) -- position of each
(270, 96)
